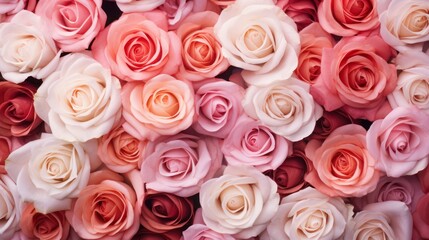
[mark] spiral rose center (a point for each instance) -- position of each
(232, 199)
(358, 9)
(164, 104)
(109, 208)
(421, 93)
(345, 163)
(257, 42)
(280, 106)
(215, 107)
(258, 140)
(416, 21)
(74, 16)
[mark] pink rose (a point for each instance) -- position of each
(260, 38)
(72, 24)
(105, 210)
(313, 40)
(177, 10)
(385, 220)
(201, 52)
(131, 6)
(180, 164)
(240, 202)
(302, 12)
(218, 106)
(400, 142)
(356, 76)
(18, 117)
(328, 123)
(251, 143)
(9, 8)
(421, 217)
(309, 214)
(7, 145)
(342, 164)
(348, 18)
(51, 226)
(10, 212)
(138, 47)
(162, 106)
(202, 232)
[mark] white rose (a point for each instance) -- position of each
(241, 202)
(286, 107)
(10, 210)
(80, 100)
(130, 6)
(260, 38)
(49, 172)
(309, 214)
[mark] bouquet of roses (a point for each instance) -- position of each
(214, 119)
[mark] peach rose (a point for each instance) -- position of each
(162, 106)
(201, 52)
(72, 24)
(342, 164)
(240, 202)
(138, 47)
(80, 100)
(26, 50)
(10, 212)
(260, 38)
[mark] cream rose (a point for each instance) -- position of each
(241, 202)
(11, 204)
(26, 49)
(260, 38)
(286, 107)
(80, 100)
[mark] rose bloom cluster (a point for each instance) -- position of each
(214, 119)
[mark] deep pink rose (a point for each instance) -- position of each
(328, 123)
(144, 234)
(424, 179)
(17, 115)
(400, 142)
(138, 47)
(303, 12)
(356, 76)
(421, 217)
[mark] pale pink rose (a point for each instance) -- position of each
(218, 106)
(309, 214)
(80, 100)
(260, 38)
(138, 47)
(400, 142)
(421, 217)
(180, 164)
(49, 172)
(73, 24)
(8, 8)
(348, 18)
(342, 164)
(357, 77)
(50, 226)
(120, 151)
(241, 202)
(161, 106)
(201, 52)
(303, 12)
(107, 210)
(285, 107)
(404, 24)
(177, 10)
(26, 50)
(251, 143)
(385, 220)
(202, 232)
(313, 40)
(131, 6)
(10, 212)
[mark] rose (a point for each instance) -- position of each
(49, 172)
(177, 10)
(18, 117)
(241, 202)
(348, 18)
(218, 106)
(302, 12)
(130, 6)
(120, 151)
(105, 210)
(223, 3)
(201, 52)
(285, 107)
(72, 24)
(250, 143)
(180, 164)
(138, 47)
(328, 123)
(10, 213)
(309, 214)
(290, 175)
(7, 145)
(404, 23)
(11, 7)
(80, 100)
(35, 225)
(385, 220)
(162, 106)
(144, 234)
(423, 179)
(313, 40)
(162, 212)
(199, 231)
(400, 142)
(266, 47)
(356, 76)
(342, 164)
(421, 218)
(26, 49)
